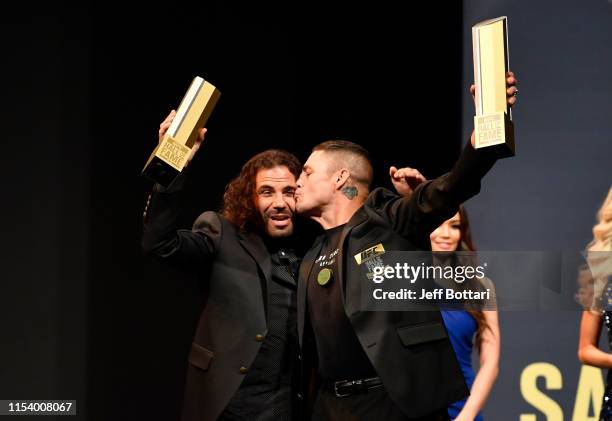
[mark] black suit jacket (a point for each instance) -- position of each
(409, 350)
(237, 267)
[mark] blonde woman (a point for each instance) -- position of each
(600, 264)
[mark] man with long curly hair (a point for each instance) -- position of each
(243, 359)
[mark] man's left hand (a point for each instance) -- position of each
(405, 180)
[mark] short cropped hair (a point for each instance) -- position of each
(352, 156)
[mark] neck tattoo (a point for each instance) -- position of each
(350, 192)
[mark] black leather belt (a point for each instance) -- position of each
(345, 388)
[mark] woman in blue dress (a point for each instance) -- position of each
(469, 329)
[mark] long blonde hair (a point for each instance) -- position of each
(599, 264)
(602, 231)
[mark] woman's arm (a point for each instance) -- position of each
(489, 367)
(588, 351)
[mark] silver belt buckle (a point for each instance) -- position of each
(342, 395)
(347, 383)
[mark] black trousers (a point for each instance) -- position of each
(374, 405)
(258, 404)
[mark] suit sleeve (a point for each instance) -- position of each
(435, 201)
(162, 238)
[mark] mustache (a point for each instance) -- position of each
(288, 214)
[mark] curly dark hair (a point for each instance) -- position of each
(238, 199)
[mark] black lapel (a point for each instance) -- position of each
(350, 290)
(255, 246)
(302, 287)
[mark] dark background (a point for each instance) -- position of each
(84, 315)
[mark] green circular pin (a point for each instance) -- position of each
(324, 276)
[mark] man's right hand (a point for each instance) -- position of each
(165, 125)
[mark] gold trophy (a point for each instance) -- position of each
(171, 154)
(493, 127)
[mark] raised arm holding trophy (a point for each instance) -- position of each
(175, 147)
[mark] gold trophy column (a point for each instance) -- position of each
(171, 154)
(493, 127)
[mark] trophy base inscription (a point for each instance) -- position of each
(167, 161)
(495, 131)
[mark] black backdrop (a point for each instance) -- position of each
(84, 315)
